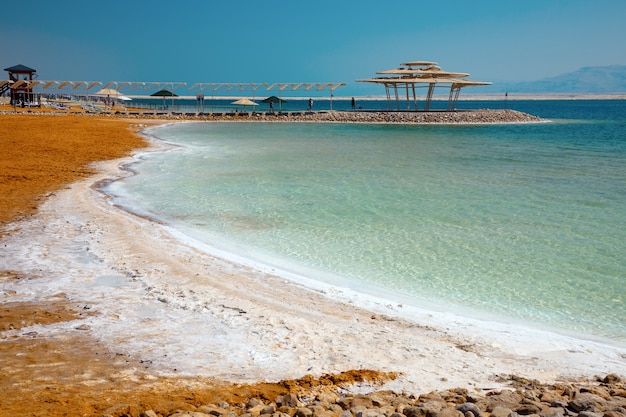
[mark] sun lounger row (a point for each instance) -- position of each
(56, 106)
(88, 107)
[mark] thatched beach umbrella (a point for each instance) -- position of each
(112, 95)
(245, 102)
(108, 92)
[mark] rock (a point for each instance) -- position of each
(335, 408)
(506, 398)
(324, 413)
(254, 402)
(469, 407)
(361, 401)
(586, 402)
(589, 414)
(552, 412)
(603, 398)
(327, 397)
(602, 392)
(611, 379)
(289, 411)
(501, 412)
(449, 412)
(527, 409)
(303, 412)
(268, 409)
(428, 409)
(414, 412)
(256, 410)
(213, 410)
(288, 400)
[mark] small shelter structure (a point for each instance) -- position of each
(20, 83)
(421, 74)
(271, 100)
(165, 93)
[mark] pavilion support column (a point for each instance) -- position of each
(431, 89)
(388, 96)
(454, 97)
(414, 97)
(408, 98)
(395, 90)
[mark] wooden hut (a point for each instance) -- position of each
(20, 83)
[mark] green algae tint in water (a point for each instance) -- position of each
(522, 222)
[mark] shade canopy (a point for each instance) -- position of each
(273, 99)
(20, 68)
(108, 92)
(164, 93)
(245, 102)
(415, 74)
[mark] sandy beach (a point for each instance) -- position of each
(104, 312)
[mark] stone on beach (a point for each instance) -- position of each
(526, 398)
(481, 116)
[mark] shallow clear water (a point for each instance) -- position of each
(518, 222)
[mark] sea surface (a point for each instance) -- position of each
(519, 223)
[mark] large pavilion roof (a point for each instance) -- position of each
(422, 74)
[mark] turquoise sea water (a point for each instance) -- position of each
(515, 222)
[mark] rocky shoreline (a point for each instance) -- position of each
(604, 397)
(483, 116)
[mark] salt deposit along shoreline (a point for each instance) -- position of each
(188, 312)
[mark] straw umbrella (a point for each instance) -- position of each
(244, 102)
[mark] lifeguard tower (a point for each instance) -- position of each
(20, 83)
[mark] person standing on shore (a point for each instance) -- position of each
(353, 103)
(310, 104)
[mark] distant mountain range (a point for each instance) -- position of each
(587, 80)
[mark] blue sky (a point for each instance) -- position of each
(309, 41)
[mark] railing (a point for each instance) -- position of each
(5, 88)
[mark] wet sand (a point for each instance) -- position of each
(104, 312)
